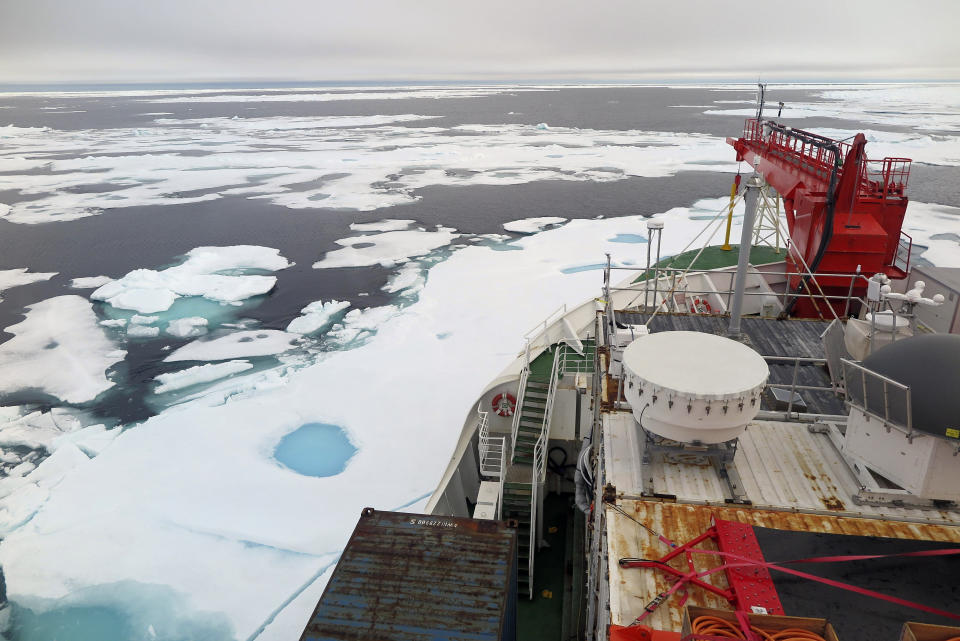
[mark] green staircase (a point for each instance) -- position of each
(531, 421)
(517, 495)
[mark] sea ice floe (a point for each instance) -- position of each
(90, 282)
(329, 96)
(533, 225)
(199, 374)
(389, 224)
(409, 279)
(22, 276)
(58, 349)
(142, 331)
(927, 148)
(316, 316)
(258, 342)
(201, 274)
(91, 440)
(281, 124)
(189, 327)
(386, 248)
(935, 228)
(920, 107)
(294, 165)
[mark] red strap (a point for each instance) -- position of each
(864, 557)
(747, 562)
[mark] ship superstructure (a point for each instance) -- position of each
(667, 452)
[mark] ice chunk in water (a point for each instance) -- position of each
(22, 276)
(90, 282)
(199, 374)
(187, 327)
(148, 290)
(260, 342)
(533, 225)
(386, 248)
(143, 331)
(59, 349)
(316, 316)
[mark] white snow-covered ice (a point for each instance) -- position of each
(533, 225)
(199, 374)
(150, 290)
(316, 316)
(59, 349)
(22, 276)
(386, 248)
(258, 342)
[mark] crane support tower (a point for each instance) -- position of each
(843, 211)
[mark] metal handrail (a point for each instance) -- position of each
(542, 325)
(863, 404)
(487, 445)
(521, 393)
(538, 470)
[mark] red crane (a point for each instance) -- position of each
(843, 210)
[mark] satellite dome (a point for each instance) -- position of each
(930, 365)
(692, 386)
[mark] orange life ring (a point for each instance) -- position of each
(504, 404)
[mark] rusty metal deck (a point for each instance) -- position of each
(631, 589)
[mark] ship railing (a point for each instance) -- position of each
(492, 449)
(794, 387)
(542, 325)
(904, 250)
(573, 363)
(538, 471)
(885, 178)
(521, 393)
(879, 397)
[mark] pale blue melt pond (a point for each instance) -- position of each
(315, 449)
(628, 238)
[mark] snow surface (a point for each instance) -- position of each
(59, 349)
(533, 225)
(22, 276)
(149, 290)
(386, 248)
(259, 342)
(199, 374)
(316, 316)
(334, 96)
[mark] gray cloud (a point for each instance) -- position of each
(136, 40)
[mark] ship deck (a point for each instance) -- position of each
(795, 482)
(779, 339)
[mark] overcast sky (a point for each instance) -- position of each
(75, 41)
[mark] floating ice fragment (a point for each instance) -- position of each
(58, 349)
(199, 374)
(389, 224)
(187, 327)
(258, 342)
(316, 316)
(90, 282)
(533, 225)
(542, 126)
(137, 319)
(114, 322)
(387, 248)
(91, 440)
(142, 331)
(148, 290)
(22, 276)
(409, 279)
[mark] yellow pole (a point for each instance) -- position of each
(733, 195)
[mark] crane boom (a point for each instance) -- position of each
(843, 210)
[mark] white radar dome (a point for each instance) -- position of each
(691, 386)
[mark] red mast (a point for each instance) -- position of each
(843, 210)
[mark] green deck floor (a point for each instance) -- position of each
(542, 618)
(713, 257)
